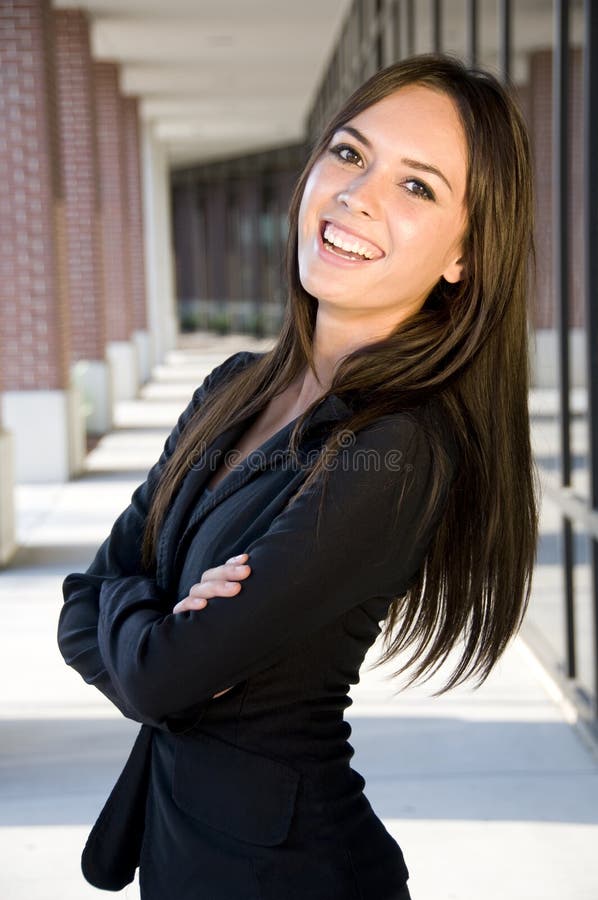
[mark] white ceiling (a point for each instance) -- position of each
(225, 77)
(217, 78)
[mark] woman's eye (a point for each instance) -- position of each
(346, 153)
(419, 189)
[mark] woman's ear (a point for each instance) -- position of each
(455, 271)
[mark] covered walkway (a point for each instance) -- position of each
(492, 794)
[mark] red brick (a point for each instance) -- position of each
(80, 172)
(114, 224)
(32, 219)
(135, 211)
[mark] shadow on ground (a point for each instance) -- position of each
(60, 771)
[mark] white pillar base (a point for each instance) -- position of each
(49, 433)
(143, 344)
(172, 325)
(93, 379)
(8, 544)
(122, 356)
(77, 444)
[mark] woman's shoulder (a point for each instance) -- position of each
(229, 366)
(232, 364)
(419, 428)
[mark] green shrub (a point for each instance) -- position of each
(189, 320)
(219, 322)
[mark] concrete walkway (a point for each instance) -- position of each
(492, 794)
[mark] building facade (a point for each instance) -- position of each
(109, 245)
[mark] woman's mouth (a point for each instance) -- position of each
(346, 245)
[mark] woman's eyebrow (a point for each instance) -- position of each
(356, 134)
(413, 163)
(426, 167)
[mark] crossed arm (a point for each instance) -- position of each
(119, 556)
(162, 668)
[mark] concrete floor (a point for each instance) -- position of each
(491, 793)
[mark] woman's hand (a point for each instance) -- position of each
(221, 580)
(216, 582)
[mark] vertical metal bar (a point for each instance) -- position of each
(378, 47)
(472, 32)
(397, 50)
(437, 26)
(361, 41)
(410, 26)
(591, 286)
(386, 34)
(505, 39)
(560, 256)
(570, 649)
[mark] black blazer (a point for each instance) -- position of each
(251, 796)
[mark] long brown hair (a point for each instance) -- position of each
(466, 348)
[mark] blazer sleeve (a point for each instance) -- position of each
(300, 579)
(119, 557)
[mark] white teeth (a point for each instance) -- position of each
(333, 238)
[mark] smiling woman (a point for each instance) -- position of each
(377, 468)
(367, 209)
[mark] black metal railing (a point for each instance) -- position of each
(591, 284)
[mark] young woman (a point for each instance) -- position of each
(373, 466)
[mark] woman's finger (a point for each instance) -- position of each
(209, 589)
(227, 569)
(200, 593)
(190, 603)
(215, 582)
(225, 691)
(222, 579)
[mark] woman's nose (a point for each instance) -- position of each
(359, 198)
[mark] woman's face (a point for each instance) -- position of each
(383, 211)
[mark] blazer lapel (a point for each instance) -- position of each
(189, 507)
(177, 515)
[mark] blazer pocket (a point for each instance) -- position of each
(241, 793)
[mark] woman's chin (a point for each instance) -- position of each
(327, 288)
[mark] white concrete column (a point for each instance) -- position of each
(122, 356)
(143, 343)
(48, 429)
(159, 262)
(94, 381)
(8, 544)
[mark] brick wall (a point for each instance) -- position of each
(115, 231)
(81, 184)
(33, 287)
(539, 108)
(135, 210)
